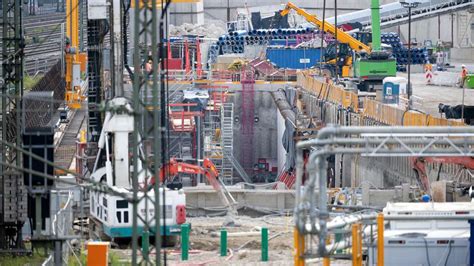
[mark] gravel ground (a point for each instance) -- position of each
(242, 250)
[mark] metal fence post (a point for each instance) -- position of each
(264, 244)
(223, 243)
(380, 239)
(356, 245)
(184, 242)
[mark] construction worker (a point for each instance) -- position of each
(463, 75)
(148, 66)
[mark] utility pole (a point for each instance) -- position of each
(452, 30)
(409, 5)
(337, 43)
(321, 57)
(11, 84)
(228, 10)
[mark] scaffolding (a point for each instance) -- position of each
(212, 138)
(12, 188)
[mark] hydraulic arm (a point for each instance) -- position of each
(342, 36)
(420, 169)
(209, 170)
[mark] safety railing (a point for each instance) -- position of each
(62, 228)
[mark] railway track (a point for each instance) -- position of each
(42, 34)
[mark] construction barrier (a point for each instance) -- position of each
(377, 111)
(372, 113)
(329, 92)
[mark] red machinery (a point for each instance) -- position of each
(181, 118)
(209, 170)
(173, 168)
(420, 169)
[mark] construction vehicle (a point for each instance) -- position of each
(419, 167)
(111, 215)
(366, 65)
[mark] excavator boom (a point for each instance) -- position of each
(342, 36)
(209, 170)
(420, 168)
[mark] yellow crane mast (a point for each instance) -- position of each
(75, 61)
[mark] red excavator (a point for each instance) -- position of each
(420, 169)
(169, 171)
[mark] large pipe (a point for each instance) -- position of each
(333, 130)
(317, 163)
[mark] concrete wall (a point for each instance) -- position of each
(205, 197)
(192, 13)
(462, 54)
(265, 131)
(440, 28)
(217, 9)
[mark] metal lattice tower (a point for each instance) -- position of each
(95, 42)
(150, 115)
(13, 205)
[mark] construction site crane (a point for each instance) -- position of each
(367, 65)
(170, 170)
(342, 36)
(75, 61)
(419, 165)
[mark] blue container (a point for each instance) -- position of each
(300, 58)
(392, 88)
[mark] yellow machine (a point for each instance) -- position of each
(76, 62)
(342, 36)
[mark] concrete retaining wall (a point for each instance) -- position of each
(203, 197)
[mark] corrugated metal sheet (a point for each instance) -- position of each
(300, 58)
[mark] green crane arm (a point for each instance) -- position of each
(342, 37)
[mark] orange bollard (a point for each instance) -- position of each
(98, 253)
(299, 245)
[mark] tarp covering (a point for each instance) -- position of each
(199, 96)
(282, 100)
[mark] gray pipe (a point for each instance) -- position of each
(282, 104)
(317, 161)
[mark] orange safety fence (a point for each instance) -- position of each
(329, 92)
(394, 116)
(380, 112)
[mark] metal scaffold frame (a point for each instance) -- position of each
(311, 202)
(149, 140)
(227, 142)
(13, 193)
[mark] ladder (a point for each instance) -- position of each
(227, 142)
(212, 144)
